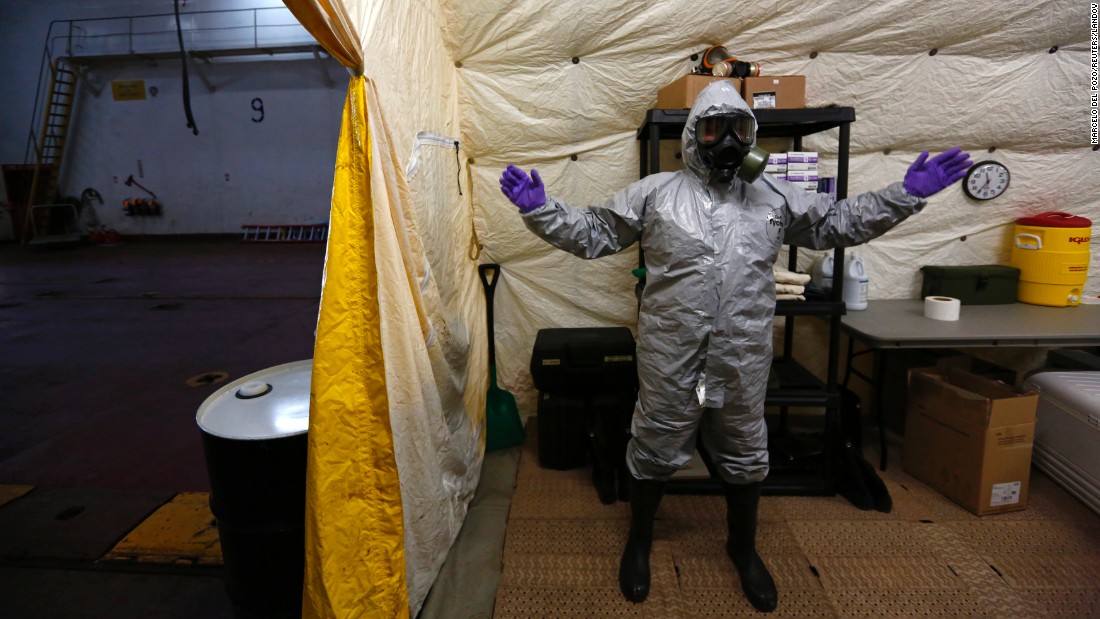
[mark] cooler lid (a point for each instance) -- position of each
(1055, 219)
(1079, 391)
(271, 403)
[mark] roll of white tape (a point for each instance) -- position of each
(941, 308)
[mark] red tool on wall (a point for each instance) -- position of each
(140, 206)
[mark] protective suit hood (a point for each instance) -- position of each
(718, 98)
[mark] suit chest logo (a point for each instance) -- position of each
(776, 223)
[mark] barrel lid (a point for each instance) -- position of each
(271, 403)
(1055, 219)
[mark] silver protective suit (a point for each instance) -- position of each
(705, 320)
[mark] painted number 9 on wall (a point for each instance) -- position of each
(258, 106)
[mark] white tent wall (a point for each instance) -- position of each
(414, 126)
(564, 87)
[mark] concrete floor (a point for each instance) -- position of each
(97, 345)
(106, 354)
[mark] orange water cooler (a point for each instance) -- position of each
(1052, 252)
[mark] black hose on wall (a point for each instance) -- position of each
(186, 84)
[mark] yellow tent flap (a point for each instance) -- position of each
(355, 560)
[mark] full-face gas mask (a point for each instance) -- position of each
(725, 145)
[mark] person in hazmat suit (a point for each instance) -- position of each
(704, 350)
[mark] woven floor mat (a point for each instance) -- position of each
(566, 537)
(909, 604)
(705, 538)
(928, 557)
(859, 538)
(1064, 571)
(995, 535)
(1064, 603)
(718, 603)
(887, 573)
(553, 570)
(560, 495)
(993, 595)
(710, 587)
(792, 572)
(584, 587)
(554, 494)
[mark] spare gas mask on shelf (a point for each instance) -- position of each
(719, 62)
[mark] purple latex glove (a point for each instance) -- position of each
(928, 176)
(525, 192)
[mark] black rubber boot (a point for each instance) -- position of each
(645, 496)
(756, 582)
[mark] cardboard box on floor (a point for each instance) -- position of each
(774, 91)
(681, 93)
(970, 438)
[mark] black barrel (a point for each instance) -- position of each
(254, 438)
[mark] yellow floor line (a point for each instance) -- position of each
(182, 531)
(10, 492)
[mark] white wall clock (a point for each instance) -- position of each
(986, 180)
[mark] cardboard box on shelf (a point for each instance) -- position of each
(681, 93)
(774, 91)
(970, 438)
(802, 167)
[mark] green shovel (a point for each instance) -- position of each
(503, 425)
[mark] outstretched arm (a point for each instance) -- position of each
(820, 221)
(588, 233)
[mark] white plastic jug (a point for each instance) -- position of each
(823, 272)
(855, 284)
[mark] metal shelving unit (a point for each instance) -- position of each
(801, 463)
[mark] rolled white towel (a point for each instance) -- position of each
(789, 297)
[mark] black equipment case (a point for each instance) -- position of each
(563, 430)
(588, 381)
(988, 284)
(586, 359)
(575, 430)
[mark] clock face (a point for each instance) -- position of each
(986, 180)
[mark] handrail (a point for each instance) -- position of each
(36, 113)
(87, 39)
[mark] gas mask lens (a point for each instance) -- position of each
(710, 130)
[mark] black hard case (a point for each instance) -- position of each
(562, 430)
(596, 359)
(579, 429)
(988, 284)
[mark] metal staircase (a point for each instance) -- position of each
(50, 146)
